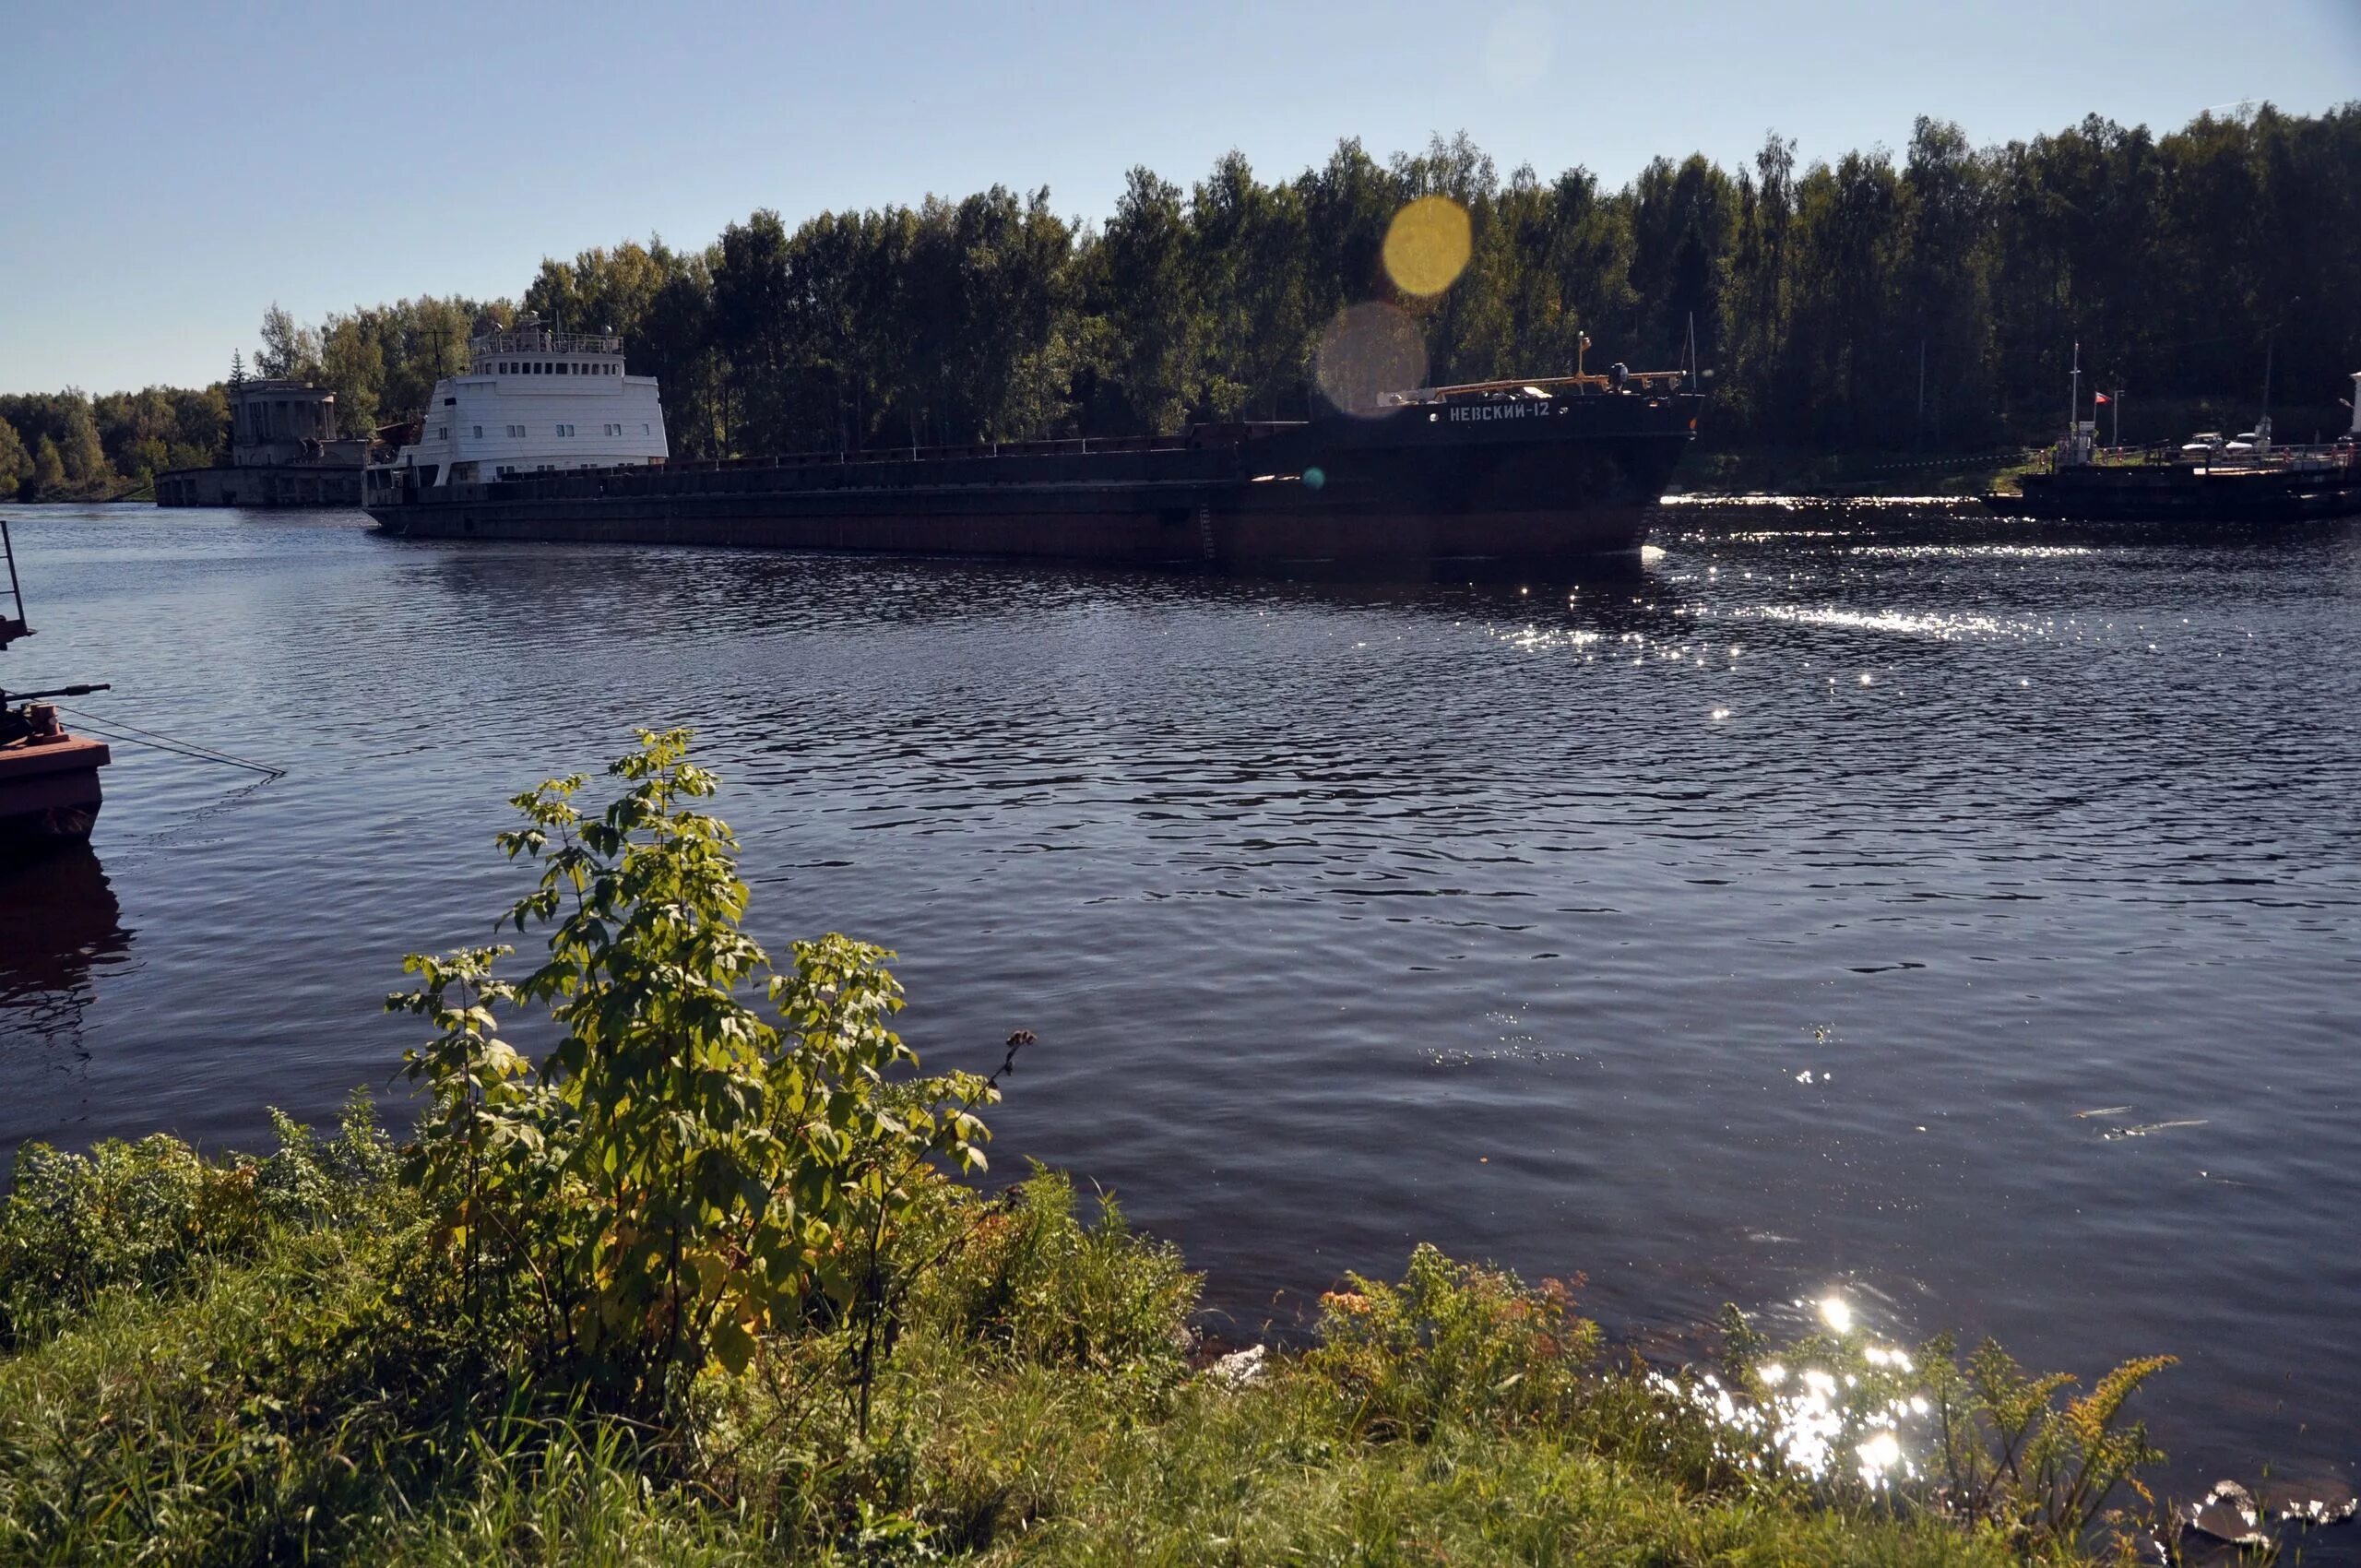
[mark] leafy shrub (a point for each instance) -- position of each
(1992, 1443)
(1453, 1343)
(1027, 1274)
(141, 1215)
(2005, 1450)
(682, 1174)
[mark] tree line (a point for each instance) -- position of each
(1930, 299)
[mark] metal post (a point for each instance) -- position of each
(15, 588)
(2074, 393)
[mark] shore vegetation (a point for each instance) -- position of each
(712, 1281)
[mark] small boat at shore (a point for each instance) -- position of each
(2250, 479)
(49, 777)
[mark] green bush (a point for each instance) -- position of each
(682, 1175)
(1453, 1342)
(139, 1215)
(1024, 1274)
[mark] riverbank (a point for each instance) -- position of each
(700, 1285)
(243, 1361)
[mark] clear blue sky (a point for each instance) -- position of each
(167, 171)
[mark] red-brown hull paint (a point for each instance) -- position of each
(49, 793)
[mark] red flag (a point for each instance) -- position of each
(2102, 397)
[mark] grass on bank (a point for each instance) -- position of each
(699, 1288)
(277, 1397)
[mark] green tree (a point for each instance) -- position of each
(49, 471)
(353, 365)
(16, 463)
(287, 350)
(87, 472)
(1147, 292)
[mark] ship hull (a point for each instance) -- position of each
(2173, 494)
(1420, 488)
(49, 794)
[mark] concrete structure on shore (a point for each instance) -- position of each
(284, 451)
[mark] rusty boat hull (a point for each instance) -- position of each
(49, 793)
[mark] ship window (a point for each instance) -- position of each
(479, 432)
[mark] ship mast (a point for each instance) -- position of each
(2074, 393)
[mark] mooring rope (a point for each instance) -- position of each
(162, 742)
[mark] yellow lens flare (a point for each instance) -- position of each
(1427, 246)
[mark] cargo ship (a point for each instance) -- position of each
(2248, 479)
(549, 438)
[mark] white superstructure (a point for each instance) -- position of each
(533, 401)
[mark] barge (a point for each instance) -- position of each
(549, 439)
(2247, 479)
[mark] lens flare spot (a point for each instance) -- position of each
(1428, 245)
(1314, 478)
(1368, 350)
(1837, 1314)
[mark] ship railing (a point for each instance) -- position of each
(1195, 438)
(1550, 386)
(538, 340)
(2331, 454)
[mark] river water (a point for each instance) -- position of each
(1871, 899)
